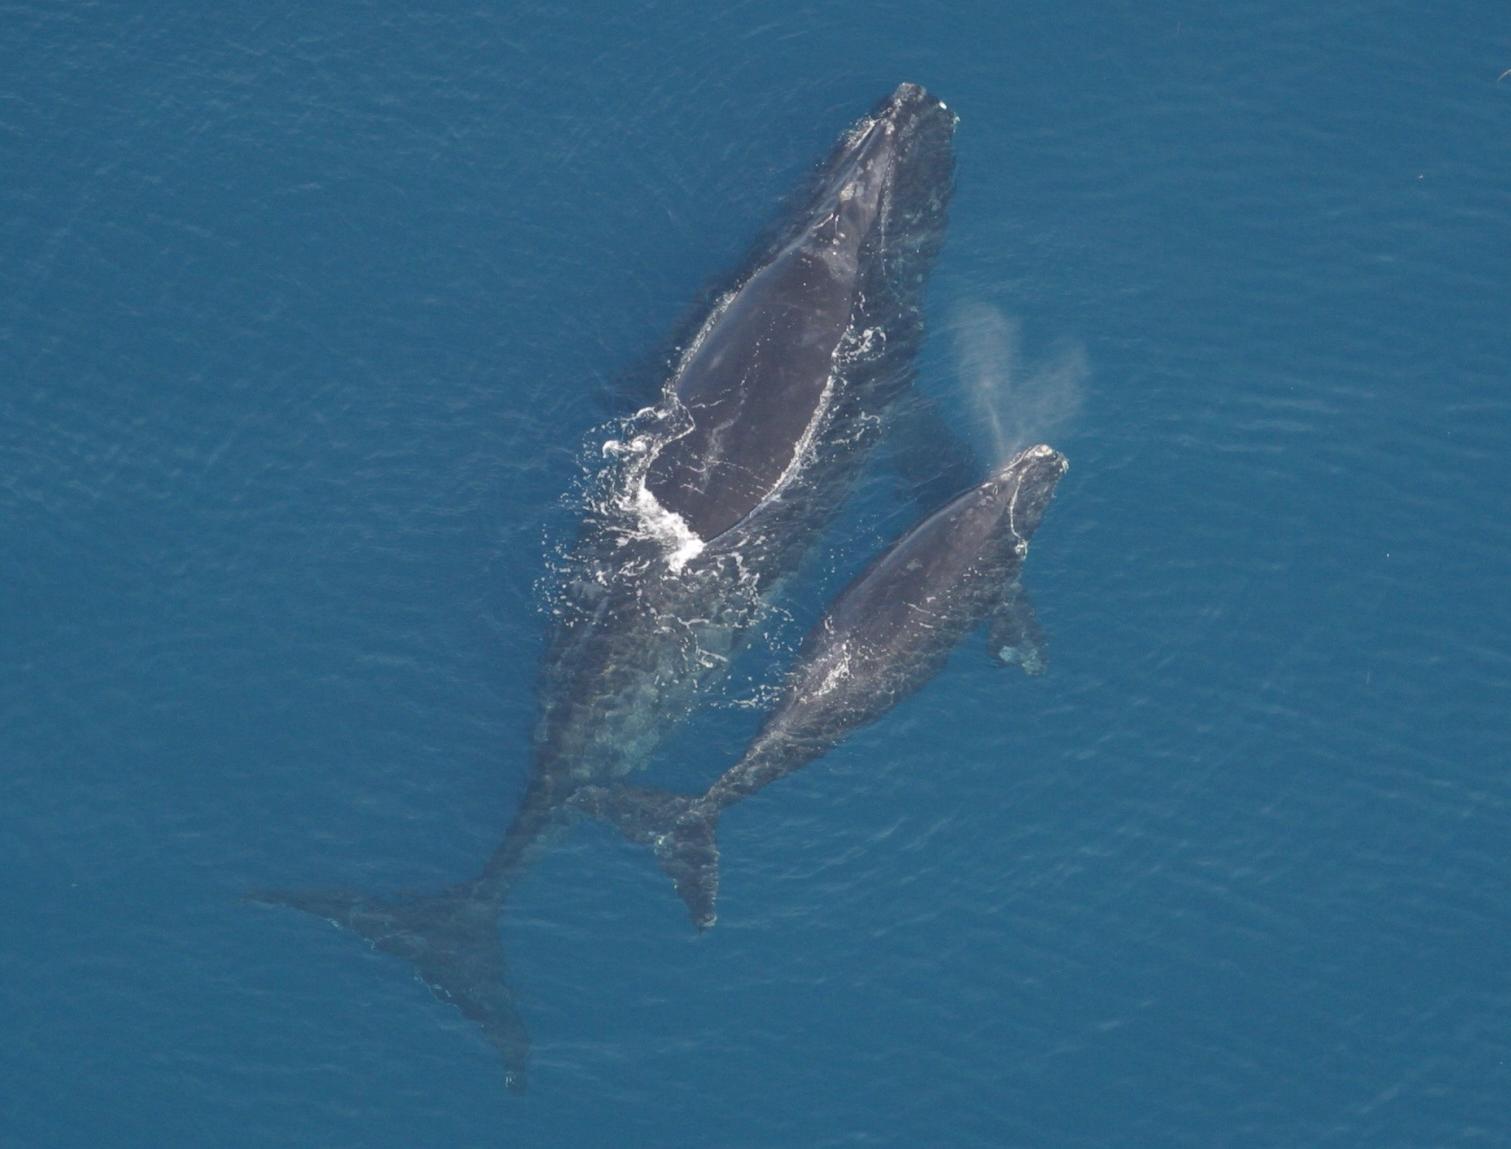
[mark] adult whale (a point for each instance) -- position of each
(889, 632)
(709, 499)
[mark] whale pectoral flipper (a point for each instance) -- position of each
(679, 829)
(1014, 636)
(452, 939)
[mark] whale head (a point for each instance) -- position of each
(1022, 487)
(892, 169)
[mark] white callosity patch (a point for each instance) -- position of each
(862, 343)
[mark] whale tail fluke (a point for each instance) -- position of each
(679, 829)
(452, 939)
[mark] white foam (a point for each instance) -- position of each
(681, 542)
(835, 673)
(804, 446)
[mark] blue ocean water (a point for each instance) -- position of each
(308, 313)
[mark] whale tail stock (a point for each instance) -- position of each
(679, 829)
(452, 939)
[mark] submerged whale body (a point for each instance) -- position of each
(709, 499)
(887, 634)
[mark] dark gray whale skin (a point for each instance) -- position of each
(763, 425)
(886, 635)
(758, 376)
(715, 494)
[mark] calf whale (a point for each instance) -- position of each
(888, 633)
(709, 498)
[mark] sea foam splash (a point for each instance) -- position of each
(632, 497)
(681, 542)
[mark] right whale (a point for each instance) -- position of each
(889, 632)
(711, 498)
